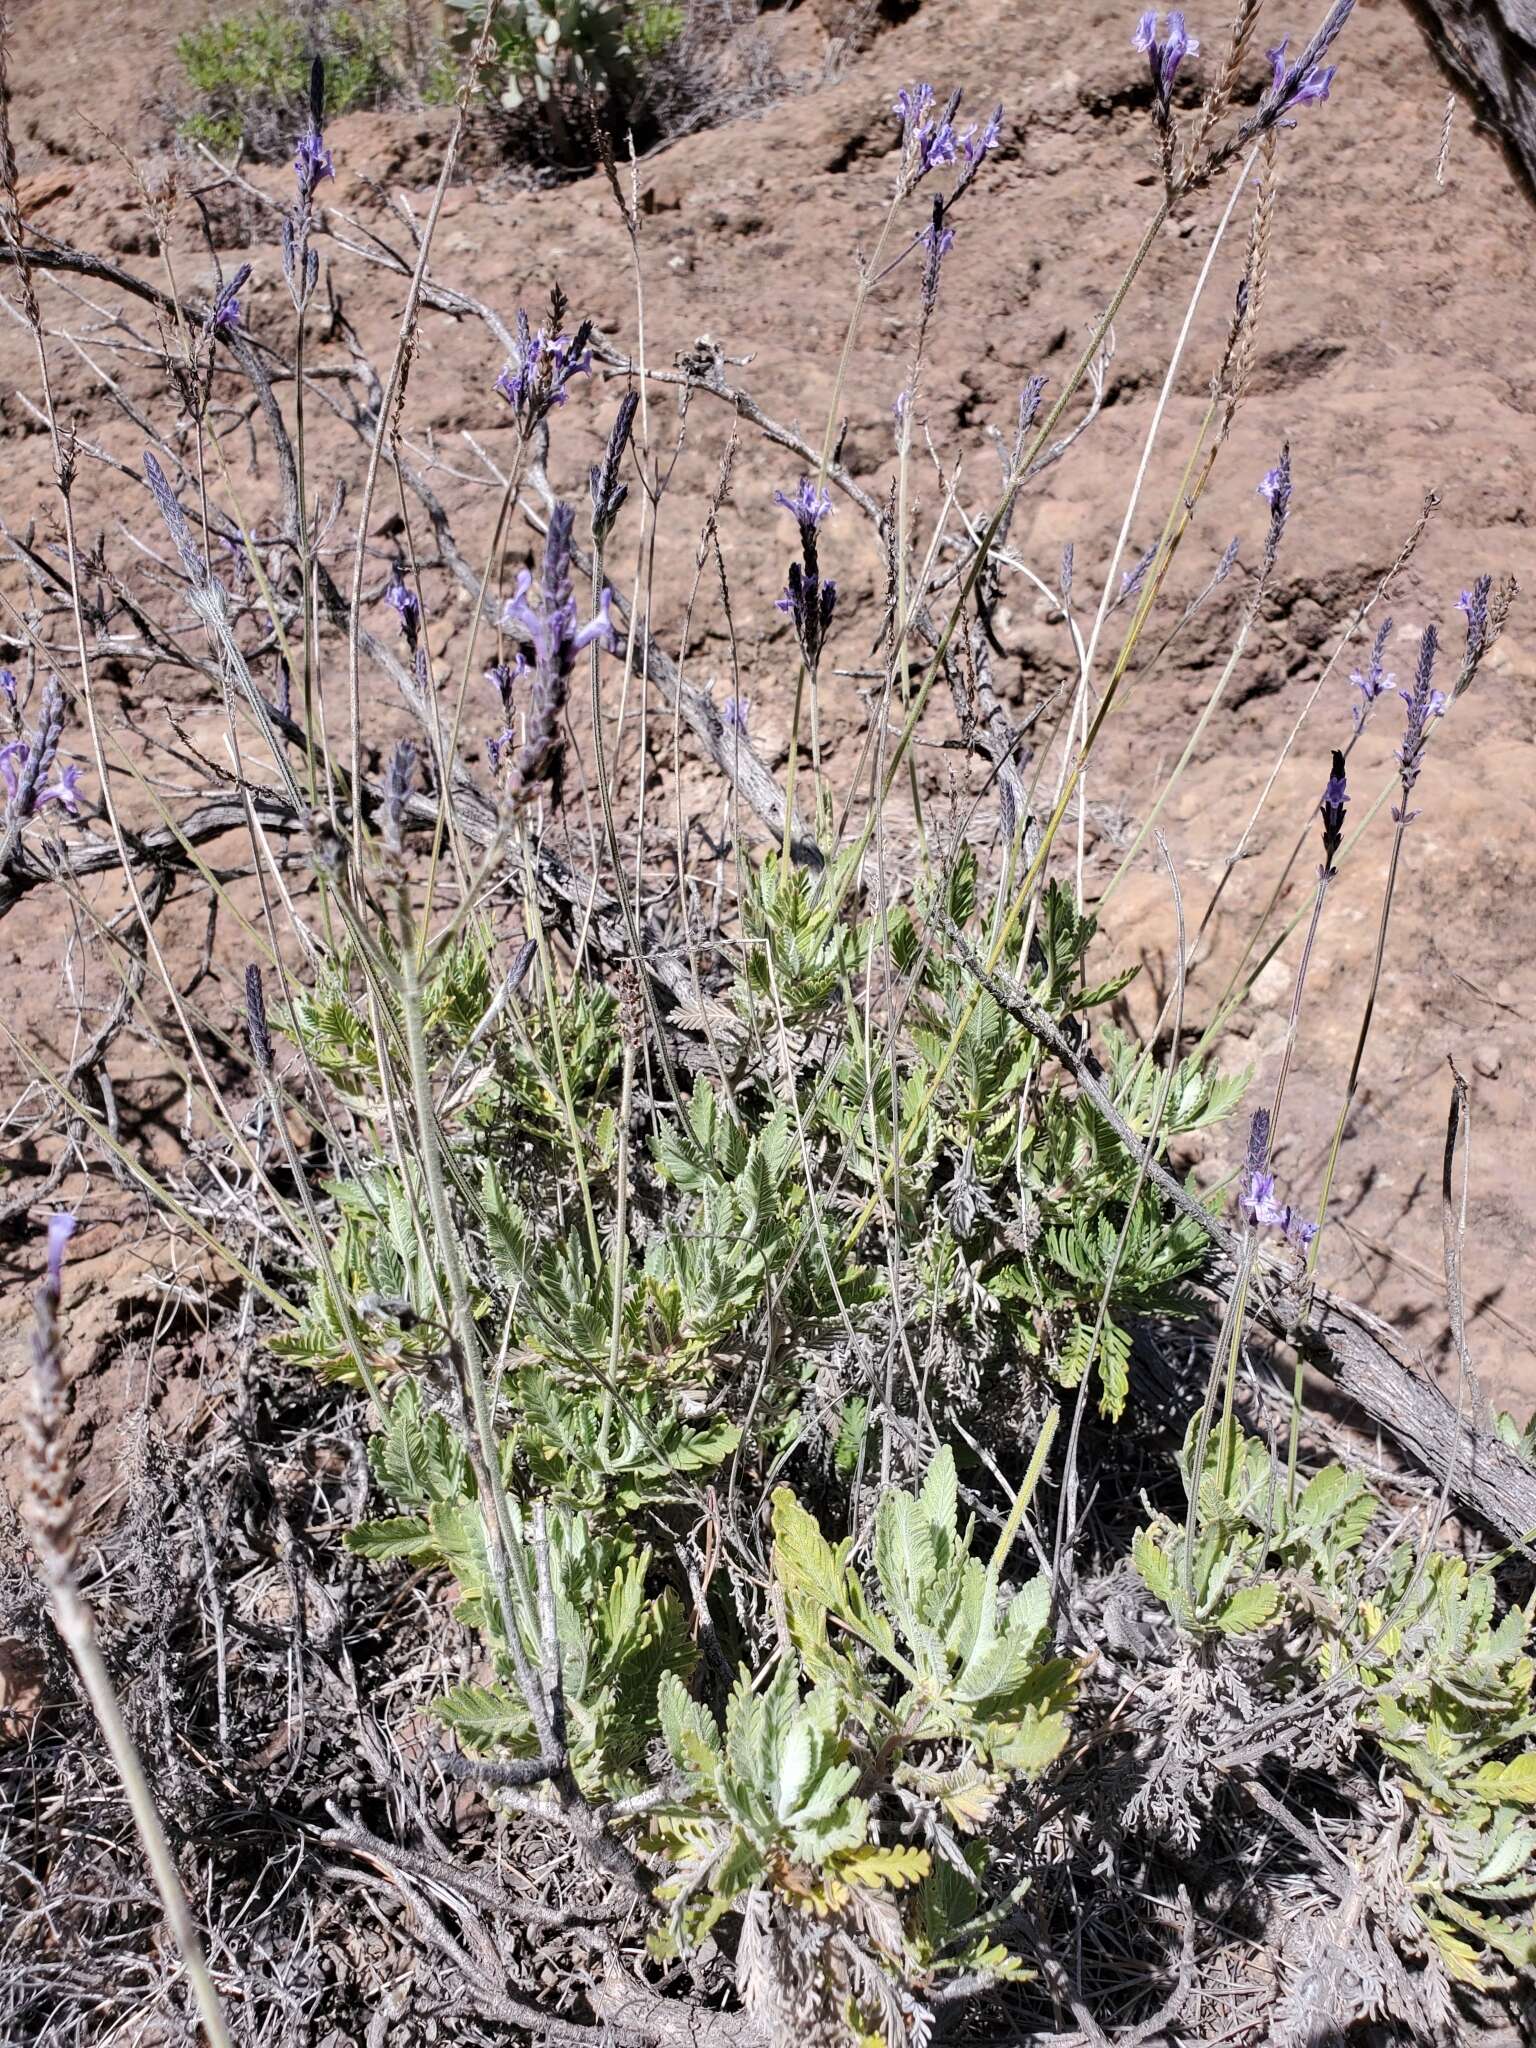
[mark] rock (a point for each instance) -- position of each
(1272, 986)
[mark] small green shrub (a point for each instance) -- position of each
(251, 73)
(543, 46)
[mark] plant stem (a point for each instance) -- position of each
(1365, 1031)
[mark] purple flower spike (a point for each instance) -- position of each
(809, 598)
(1474, 603)
(1136, 575)
(808, 507)
(28, 763)
(1424, 703)
(258, 1033)
(1275, 490)
(1304, 90)
(1164, 54)
(1335, 798)
(61, 1228)
(312, 162)
(534, 377)
(938, 240)
(548, 623)
(1257, 1201)
(912, 105)
(929, 137)
(1306, 81)
(502, 677)
(224, 315)
(400, 597)
(1374, 680)
(734, 714)
(976, 146)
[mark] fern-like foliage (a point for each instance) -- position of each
(914, 1683)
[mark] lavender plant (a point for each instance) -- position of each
(700, 1269)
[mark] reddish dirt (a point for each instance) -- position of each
(1395, 355)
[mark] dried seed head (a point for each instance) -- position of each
(631, 1007)
(45, 1499)
(256, 1020)
(607, 487)
(397, 794)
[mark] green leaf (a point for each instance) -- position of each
(1511, 1784)
(396, 1536)
(806, 1564)
(1152, 1563)
(486, 1717)
(689, 1731)
(1249, 1609)
(940, 1498)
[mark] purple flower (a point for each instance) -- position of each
(930, 138)
(1275, 490)
(64, 790)
(976, 146)
(1136, 575)
(808, 507)
(1474, 603)
(1335, 798)
(1295, 87)
(61, 1228)
(734, 714)
(1374, 680)
(1164, 55)
(1257, 1200)
(400, 597)
(549, 622)
(502, 675)
(224, 314)
(312, 162)
(912, 105)
(1424, 703)
(809, 599)
(1307, 80)
(549, 625)
(541, 365)
(27, 763)
(8, 686)
(938, 240)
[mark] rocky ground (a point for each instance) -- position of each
(1395, 357)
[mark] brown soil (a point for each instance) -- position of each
(1395, 356)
